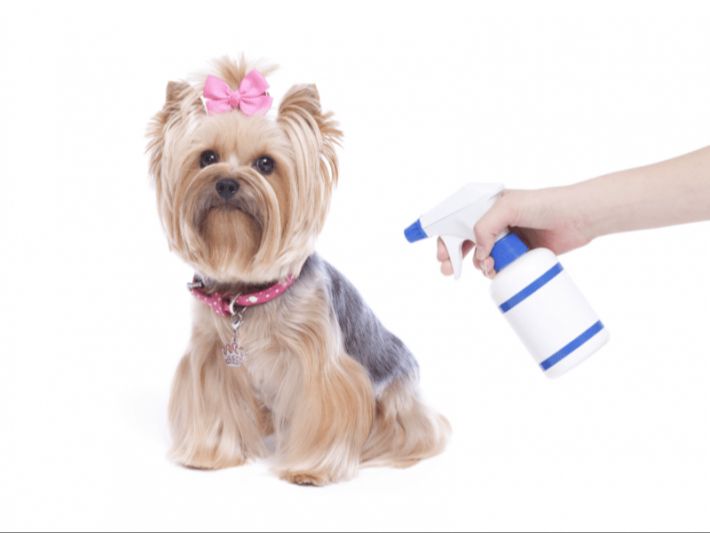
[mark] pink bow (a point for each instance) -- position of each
(250, 98)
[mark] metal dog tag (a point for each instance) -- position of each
(234, 356)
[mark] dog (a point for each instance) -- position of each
(286, 360)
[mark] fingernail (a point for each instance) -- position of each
(487, 268)
(446, 268)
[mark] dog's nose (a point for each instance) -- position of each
(227, 188)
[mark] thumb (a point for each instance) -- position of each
(491, 225)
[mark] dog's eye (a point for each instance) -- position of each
(265, 165)
(208, 158)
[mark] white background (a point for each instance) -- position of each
(94, 314)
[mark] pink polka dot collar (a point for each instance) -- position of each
(226, 304)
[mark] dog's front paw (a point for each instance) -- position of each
(207, 459)
(307, 479)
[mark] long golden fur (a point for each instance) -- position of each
(326, 413)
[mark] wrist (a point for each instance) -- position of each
(580, 211)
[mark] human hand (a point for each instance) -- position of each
(676, 191)
(545, 218)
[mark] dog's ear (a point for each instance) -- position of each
(175, 91)
(177, 94)
(314, 134)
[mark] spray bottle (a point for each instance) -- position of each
(531, 289)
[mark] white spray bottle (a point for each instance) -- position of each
(532, 290)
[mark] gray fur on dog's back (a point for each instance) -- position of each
(385, 357)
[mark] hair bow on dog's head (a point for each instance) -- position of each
(251, 97)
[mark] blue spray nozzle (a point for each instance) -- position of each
(415, 232)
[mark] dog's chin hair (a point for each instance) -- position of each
(238, 206)
(231, 239)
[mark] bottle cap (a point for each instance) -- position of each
(507, 250)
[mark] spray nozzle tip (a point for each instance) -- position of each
(415, 232)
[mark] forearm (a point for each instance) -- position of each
(676, 191)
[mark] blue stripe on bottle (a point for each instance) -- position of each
(571, 347)
(531, 289)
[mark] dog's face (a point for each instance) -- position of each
(242, 198)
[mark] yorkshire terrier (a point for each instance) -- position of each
(282, 344)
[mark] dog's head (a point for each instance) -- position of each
(243, 197)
